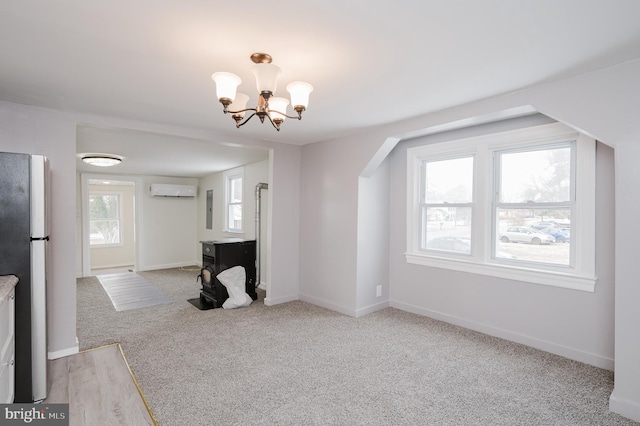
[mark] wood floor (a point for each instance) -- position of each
(99, 388)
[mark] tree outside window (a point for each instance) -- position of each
(104, 219)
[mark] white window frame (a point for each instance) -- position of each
(424, 205)
(120, 196)
(228, 177)
(579, 276)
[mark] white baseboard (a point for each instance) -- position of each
(371, 308)
(328, 305)
(624, 407)
(554, 348)
(167, 266)
(112, 266)
(342, 309)
(271, 301)
(64, 352)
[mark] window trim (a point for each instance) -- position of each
(228, 176)
(424, 205)
(581, 276)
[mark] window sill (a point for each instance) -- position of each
(554, 279)
(232, 231)
(105, 246)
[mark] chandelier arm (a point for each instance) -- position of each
(238, 124)
(296, 117)
(275, 126)
(242, 110)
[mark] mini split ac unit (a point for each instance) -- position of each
(169, 190)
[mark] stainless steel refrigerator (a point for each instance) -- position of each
(24, 236)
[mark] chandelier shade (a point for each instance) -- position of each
(269, 106)
(278, 106)
(299, 91)
(226, 85)
(266, 77)
(239, 104)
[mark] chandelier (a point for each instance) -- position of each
(269, 106)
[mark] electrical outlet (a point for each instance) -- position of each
(378, 290)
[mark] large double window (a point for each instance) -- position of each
(517, 205)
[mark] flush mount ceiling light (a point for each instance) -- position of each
(101, 160)
(269, 106)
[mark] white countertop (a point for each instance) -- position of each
(7, 283)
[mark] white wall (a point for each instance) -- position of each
(254, 173)
(374, 201)
(283, 197)
(41, 131)
(165, 226)
(168, 227)
(603, 104)
(572, 323)
(328, 226)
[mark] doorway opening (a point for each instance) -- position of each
(109, 225)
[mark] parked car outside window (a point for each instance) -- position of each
(545, 224)
(557, 233)
(525, 234)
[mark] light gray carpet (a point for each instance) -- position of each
(298, 364)
(128, 290)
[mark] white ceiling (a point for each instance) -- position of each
(154, 154)
(369, 62)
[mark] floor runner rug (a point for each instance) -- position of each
(128, 290)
